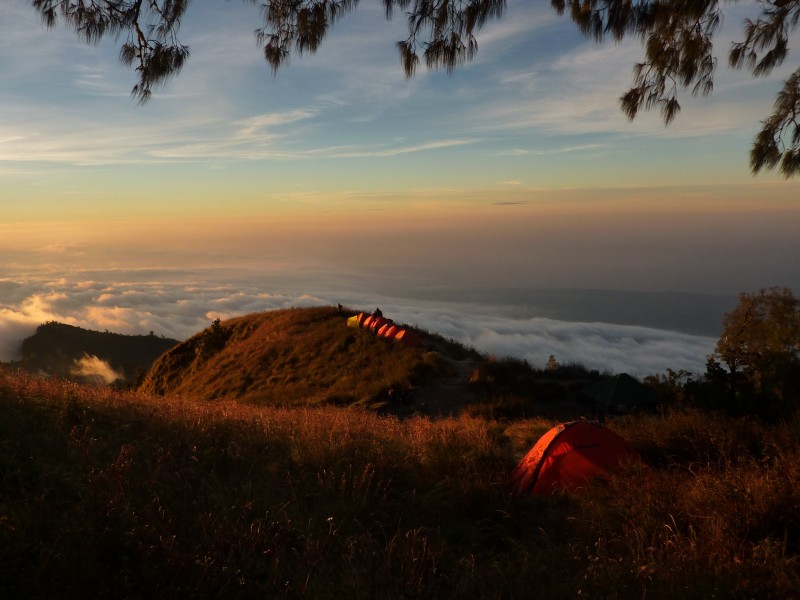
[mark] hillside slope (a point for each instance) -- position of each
(307, 356)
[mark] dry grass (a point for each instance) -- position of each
(290, 357)
(123, 495)
(307, 356)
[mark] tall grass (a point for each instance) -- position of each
(115, 494)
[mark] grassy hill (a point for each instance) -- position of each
(308, 356)
(113, 494)
(57, 349)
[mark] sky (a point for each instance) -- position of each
(339, 179)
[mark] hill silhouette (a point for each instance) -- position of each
(308, 356)
(87, 356)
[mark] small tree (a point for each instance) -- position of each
(671, 387)
(760, 347)
(213, 339)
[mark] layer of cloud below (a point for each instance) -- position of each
(181, 309)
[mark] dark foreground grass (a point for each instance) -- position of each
(105, 494)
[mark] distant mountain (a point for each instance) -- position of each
(83, 355)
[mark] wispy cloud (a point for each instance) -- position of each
(537, 91)
(388, 152)
(576, 93)
(259, 125)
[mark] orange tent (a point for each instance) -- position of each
(391, 332)
(569, 456)
(408, 337)
(388, 329)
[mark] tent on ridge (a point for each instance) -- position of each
(569, 456)
(377, 323)
(386, 328)
(408, 337)
(391, 332)
(353, 322)
(620, 394)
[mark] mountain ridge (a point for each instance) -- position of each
(309, 356)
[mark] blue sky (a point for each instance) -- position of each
(518, 169)
(535, 112)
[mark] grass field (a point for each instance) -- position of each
(113, 494)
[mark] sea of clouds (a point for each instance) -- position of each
(177, 304)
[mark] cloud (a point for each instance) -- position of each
(179, 310)
(575, 90)
(639, 351)
(519, 20)
(514, 152)
(13, 329)
(257, 125)
(535, 76)
(96, 369)
(423, 147)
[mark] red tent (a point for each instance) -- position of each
(377, 323)
(569, 456)
(391, 332)
(388, 329)
(408, 337)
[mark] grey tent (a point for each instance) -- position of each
(620, 394)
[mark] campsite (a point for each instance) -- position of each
(185, 491)
(399, 300)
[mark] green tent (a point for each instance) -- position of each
(620, 394)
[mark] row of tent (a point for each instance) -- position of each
(385, 328)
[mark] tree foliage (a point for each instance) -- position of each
(677, 38)
(760, 347)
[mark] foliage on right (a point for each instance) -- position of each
(678, 41)
(756, 363)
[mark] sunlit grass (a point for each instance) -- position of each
(115, 494)
(289, 357)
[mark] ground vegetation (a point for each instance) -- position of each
(116, 494)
